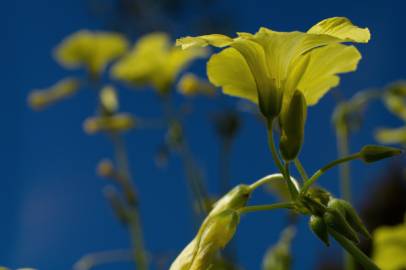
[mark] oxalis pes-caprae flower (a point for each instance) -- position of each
(284, 72)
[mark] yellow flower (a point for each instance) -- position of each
(394, 99)
(190, 85)
(390, 247)
(268, 66)
(39, 99)
(216, 231)
(93, 50)
(154, 61)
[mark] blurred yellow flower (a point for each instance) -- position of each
(115, 123)
(154, 61)
(268, 66)
(41, 98)
(395, 101)
(91, 49)
(389, 249)
(190, 85)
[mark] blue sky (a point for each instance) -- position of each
(51, 203)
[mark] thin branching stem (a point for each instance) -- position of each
(266, 207)
(320, 172)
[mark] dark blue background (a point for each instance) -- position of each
(51, 206)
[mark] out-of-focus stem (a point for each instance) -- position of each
(345, 181)
(354, 251)
(135, 227)
(224, 167)
(193, 173)
(301, 170)
(92, 260)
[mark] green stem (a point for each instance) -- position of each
(301, 170)
(320, 172)
(356, 253)
(345, 177)
(292, 188)
(271, 143)
(135, 228)
(266, 207)
(264, 180)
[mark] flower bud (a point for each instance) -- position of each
(105, 168)
(215, 232)
(108, 100)
(293, 123)
(313, 205)
(319, 228)
(372, 153)
(233, 200)
(116, 204)
(335, 220)
(350, 216)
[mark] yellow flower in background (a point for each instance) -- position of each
(389, 247)
(155, 62)
(90, 49)
(191, 85)
(391, 135)
(395, 101)
(41, 98)
(268, 66)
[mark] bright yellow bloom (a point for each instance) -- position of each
(93, 50)
(268, 66)
(154, 61)
(390, 247)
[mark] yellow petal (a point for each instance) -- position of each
(229, 70)
(324, 65)
(215, 40)
(390, 247)
(269, 95)
(341, 28)
(391, 135)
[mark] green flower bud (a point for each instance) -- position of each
(314, 206)
(372, 153)
(350, 216)
(320, 195)
(319, 228)
(335, 220)
(293, 123)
